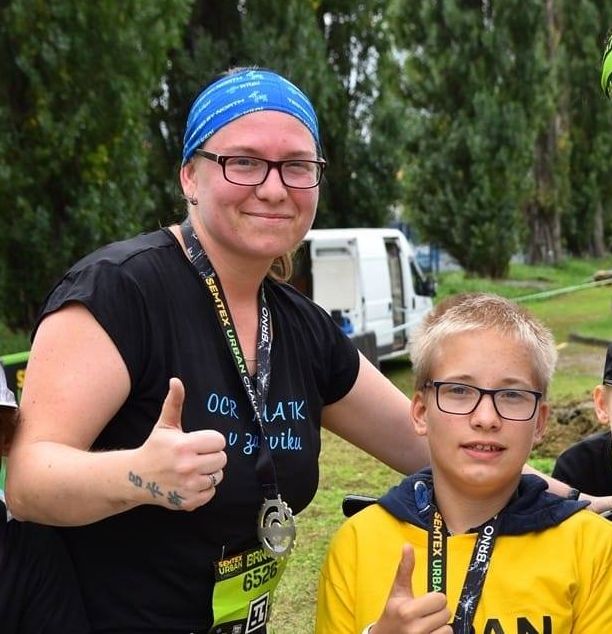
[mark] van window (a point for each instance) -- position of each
(418, 279)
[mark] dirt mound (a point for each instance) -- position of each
(569, 422)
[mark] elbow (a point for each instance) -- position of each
(15, 505)
(15, 501)
(19, 488)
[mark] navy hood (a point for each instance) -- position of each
(533, 508)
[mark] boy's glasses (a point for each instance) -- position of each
(250, 171)
(509, 403)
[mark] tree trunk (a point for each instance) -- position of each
(542, 211)
(599, 244)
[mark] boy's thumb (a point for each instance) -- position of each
(402, 584)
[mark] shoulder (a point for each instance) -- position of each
(584, 458)
(591, 535)
(285, 295)
(105, 277)
(362, 533)
(128, 251)
(367, 526)
(586, 533)
(593, 443)
(119, 264)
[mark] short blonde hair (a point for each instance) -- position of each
(482, 311)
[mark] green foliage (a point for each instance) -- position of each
(364, 130)
(469, 82)
(339, 54)
(78, 79)
(436, 107)
(588, 222)
(12, 341)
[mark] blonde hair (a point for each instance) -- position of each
(482, 311)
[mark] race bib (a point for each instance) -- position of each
(244, 586)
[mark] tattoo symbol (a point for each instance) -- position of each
(154, 489)
(175, 499)
(136, 480)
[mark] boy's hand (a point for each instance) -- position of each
(407, 614)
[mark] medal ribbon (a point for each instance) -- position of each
(476, 572)
(264, 467)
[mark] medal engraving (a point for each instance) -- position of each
(276, 527)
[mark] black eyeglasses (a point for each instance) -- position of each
(249, 170)
(459, 398)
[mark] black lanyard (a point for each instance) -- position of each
(257, 395)
(476, 572)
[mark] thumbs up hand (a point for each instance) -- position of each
(175, 469)
(406, 614)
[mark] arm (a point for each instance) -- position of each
(597, 504)
(76, 381)
(375, 416)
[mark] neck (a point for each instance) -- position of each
(241, 281)
(462, 512)
(240, 275)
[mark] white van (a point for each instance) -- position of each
(369, 281)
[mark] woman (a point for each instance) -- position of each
(94, 452)
(173, 373)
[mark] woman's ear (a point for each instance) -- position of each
(418, 413)
(188, 180)
(603, 404)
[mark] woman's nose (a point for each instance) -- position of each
(273, 188)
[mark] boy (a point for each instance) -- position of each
(38, 587)
(587, 465)
(479, 545)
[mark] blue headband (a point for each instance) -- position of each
(241, 93)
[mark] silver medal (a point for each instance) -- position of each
(276, 527)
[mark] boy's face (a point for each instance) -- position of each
(602, 399)
(479, 453)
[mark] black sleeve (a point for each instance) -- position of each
(113, 297)
(39, 593)
(344, 366)
(575, 466)
(313, 335)
(563, 470)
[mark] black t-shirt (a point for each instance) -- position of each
(150, 569)
(38, 588)
(587, 465)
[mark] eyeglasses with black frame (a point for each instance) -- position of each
(509, 403)
(250, 170)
